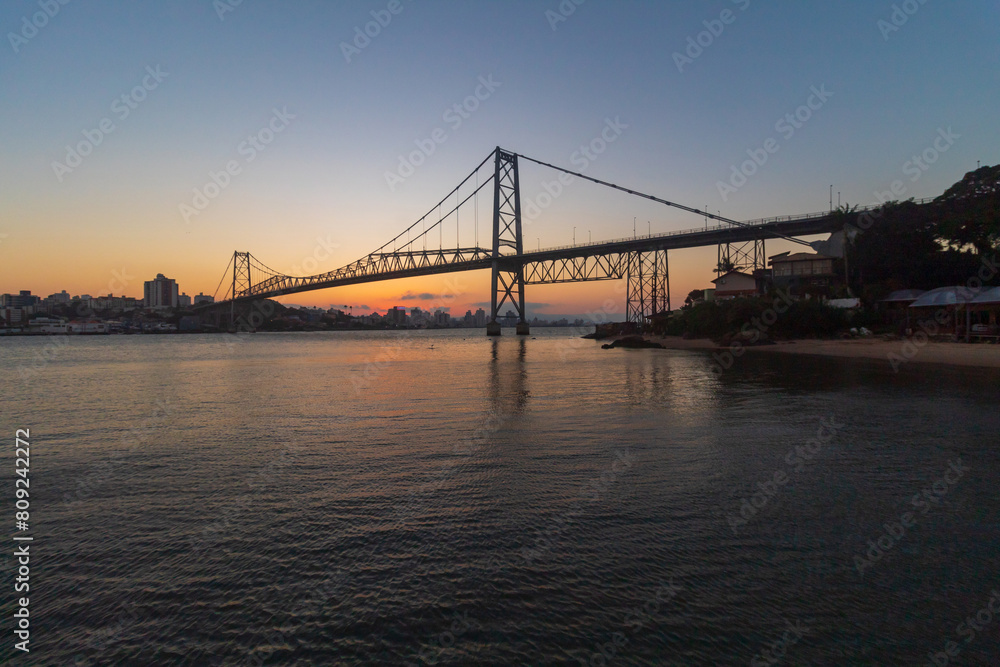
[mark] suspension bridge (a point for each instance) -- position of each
(640, 260)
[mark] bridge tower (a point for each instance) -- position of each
(647, 285)
(508, 266)
(241, 283)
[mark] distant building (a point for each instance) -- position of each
(480, 318)
(47, 325)
(87, 327)
(396, 316)
(22, 300)
(442, 319)
(51, 301)
(15, 317)
(203, 298)
(735, 284)
(160, 292)
(419, 318)
(183, 301)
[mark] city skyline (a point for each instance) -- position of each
(197, 143)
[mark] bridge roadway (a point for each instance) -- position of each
(601, 260)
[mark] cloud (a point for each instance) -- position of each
(529, 306)
(423, 296)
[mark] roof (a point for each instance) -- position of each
(944, 296)
(903, 295)
(734, 272)
(800, 257)
(988, 296)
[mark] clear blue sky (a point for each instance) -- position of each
(324, 175)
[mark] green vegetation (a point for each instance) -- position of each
(719, 319)
(905, 245)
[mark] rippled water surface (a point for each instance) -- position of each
(442, 498)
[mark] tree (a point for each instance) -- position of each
(970, 211)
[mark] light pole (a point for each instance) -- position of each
(633, 226)
(590, 237)
(574, 236)
(539, 243)
(649, 229)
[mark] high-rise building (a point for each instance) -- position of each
(203, 298)
(480, 317)
(184, 301)
(160, 292)
(396, 316)
(23, 300)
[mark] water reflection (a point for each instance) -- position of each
(508, 378)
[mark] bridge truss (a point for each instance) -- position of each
(641, 261)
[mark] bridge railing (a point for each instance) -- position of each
(715, 228)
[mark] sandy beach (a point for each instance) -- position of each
(954, 354)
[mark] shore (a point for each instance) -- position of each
(953, 354)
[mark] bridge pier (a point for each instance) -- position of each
(647, 286)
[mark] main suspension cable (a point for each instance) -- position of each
(659, 200)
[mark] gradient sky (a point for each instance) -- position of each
(317, 195)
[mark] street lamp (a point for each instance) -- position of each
(590, 237)
(539, 243)
(574, 236)
(649, 229)
(633, 226)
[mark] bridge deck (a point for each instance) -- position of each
(414, 264)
